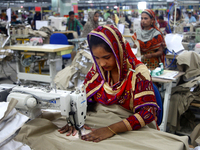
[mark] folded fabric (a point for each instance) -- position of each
(10, 120)
(15, 145)
(13, 126)
(6, 109)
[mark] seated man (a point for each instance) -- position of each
(191, 18)
(14, 20)
(73, 24)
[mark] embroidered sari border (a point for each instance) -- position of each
(139, 118)
(143, 94)
(127, 124)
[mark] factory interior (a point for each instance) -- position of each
(99, 74)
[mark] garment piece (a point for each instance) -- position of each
(181, 98)
(66, 79)
(189, 62)
(90, 24)
(42, 134)
(15, 145)
(150, 41)
(73, 24)
(10, 121)
(195, 136)
(133, 91)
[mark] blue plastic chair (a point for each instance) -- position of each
(160, 104)
(59, 38)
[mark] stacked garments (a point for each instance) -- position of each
(10, 123)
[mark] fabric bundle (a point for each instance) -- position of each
(10, 123)
(74, 75)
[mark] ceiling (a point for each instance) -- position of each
(47, 3)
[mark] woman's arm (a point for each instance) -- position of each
(156, 54)
(100, 134)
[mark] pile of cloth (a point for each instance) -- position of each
(180, 118)
(74, 75)
(11, 122)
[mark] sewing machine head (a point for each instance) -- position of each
(31, 100)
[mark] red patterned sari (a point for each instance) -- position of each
(134, 89)
(150, 41)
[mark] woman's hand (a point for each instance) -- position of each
(134, 46)
(98, 135)
(148, 56)
(69, 129)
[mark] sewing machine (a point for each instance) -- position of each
(31, 100)
(58, 22)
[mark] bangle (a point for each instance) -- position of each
(112, 131)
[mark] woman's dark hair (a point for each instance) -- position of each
(179, 12)
(161, 17)
(147, 14)
(97, 41)
(96, 12)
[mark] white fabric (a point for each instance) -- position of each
(3, 108)
(11, 123)
(15, 145)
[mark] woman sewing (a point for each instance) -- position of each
(150, 40)
(117, 79)
(91, 24)
(179, 20)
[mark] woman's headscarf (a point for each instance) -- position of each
(91, 19)
(178, 22)
(90, 24)
(97, 80)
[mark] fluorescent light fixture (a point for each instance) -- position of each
(142, 5)
(89, 1)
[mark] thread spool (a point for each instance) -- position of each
(19, 31)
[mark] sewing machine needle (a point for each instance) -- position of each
(79, 133)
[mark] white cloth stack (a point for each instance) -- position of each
(10, 123)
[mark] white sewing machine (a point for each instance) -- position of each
(58, 22)
(31, 100)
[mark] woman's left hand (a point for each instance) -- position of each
(148, 56)
(98, 135)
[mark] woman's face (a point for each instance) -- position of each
(146, 21)
(96, 17)
(177, 15)
(104, 59)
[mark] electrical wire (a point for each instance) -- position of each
(12, 67)
(168, 17)
(168, 66)
(6, 74)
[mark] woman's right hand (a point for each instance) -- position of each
(69, 129)
(134, 46)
